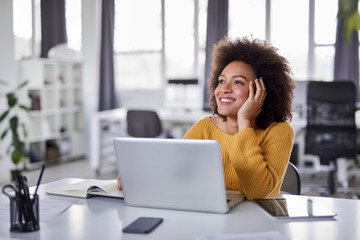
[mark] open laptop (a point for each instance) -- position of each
(179, 174)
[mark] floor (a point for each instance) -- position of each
(80, 169)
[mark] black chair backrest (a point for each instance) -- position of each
(292, 181)
(331, 128)
(143, 123)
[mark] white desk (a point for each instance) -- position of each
(104, 218)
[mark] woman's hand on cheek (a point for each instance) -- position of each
(253, 105)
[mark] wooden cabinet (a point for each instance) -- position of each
(55, 122)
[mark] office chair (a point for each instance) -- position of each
(144, 123)
(331, 129)
(292, 181)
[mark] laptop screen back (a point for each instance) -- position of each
(177, 174)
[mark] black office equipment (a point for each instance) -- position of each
(143, 225)
(292, 180)
(299, 102)
(143, 123)
(331, 128)
(24, 207)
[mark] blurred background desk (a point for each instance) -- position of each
(106, 125)
(104, 218)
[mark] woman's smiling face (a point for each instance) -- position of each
(233, 88)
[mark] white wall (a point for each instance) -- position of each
(7, 69)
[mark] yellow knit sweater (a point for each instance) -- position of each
(254, 161)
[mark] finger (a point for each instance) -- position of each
(258, 88)
(251, 89)
(262, 85)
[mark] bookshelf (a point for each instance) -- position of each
(55, 122)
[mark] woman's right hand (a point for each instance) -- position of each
(119, 183)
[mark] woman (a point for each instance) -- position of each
(251, 96)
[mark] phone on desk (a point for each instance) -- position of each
(143, 225)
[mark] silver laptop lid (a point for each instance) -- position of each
(179, 174)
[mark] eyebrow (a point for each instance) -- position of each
(236, 76)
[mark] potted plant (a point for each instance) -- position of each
(14, 127)
(349, 13)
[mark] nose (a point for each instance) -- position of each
(226, 87)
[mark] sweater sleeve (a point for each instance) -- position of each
(260, 166)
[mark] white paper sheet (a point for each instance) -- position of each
(49, 209)
(271, 235)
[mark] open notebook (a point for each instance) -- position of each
(88, 188)
(179, 174)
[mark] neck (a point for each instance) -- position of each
(232, 126)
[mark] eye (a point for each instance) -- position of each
(238, 82)
(220, 81)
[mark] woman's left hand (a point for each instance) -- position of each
(253, 105)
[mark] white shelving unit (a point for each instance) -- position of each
(55, 123)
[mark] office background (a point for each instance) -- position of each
(307, 37)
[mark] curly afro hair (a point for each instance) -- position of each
(266, 63)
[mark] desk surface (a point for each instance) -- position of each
(104, 218)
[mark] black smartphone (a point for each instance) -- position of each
(143, 225)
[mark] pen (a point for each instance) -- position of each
(39, 180)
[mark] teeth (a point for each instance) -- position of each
(226, 100)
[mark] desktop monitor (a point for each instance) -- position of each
(299, 102)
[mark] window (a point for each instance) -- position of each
(290, 33)
(73, 23)
(325, 23)
(303, 31)
(23, 28)
(138, 46)
(157, 46)
(27, 28)
(247, 18)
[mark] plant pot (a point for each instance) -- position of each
(15, 174)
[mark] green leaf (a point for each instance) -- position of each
(22, 148)
(4, 115)
(24, 130)
(16, 156)
(24, 107)
(12, 99)
(352, 24)
(14, 123)
(349, 14)
(3, 135)
(16, 141)
(9, 149)
(21, 85)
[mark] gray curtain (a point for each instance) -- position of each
(217, 28)
(53, 25)
(107, 96)
(346, 64)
